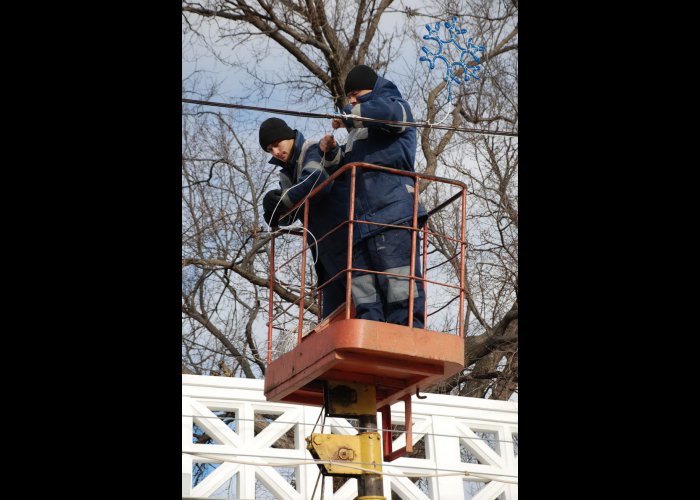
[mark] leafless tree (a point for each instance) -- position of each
(314, 43)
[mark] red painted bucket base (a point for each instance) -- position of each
(396, 359)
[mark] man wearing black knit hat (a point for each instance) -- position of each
(290, 151)
(380, 197)
(301, 172)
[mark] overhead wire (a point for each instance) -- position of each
(307, 114)
(294, 462)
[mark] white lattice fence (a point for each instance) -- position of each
(460, 435)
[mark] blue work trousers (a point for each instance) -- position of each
(385, 298)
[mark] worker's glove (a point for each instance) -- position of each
(271, 207)
(272, 200)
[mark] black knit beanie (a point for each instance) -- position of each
(360, 78)
(273, 130)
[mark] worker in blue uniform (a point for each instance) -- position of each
(302, 170)
(379, 197)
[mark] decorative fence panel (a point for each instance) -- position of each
(235, 444)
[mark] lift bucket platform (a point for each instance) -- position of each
(397, 359)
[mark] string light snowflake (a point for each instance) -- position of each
(471, 50)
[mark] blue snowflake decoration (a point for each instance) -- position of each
(450, 67)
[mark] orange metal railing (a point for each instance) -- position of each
(427, 233)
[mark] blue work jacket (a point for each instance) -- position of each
(379, 196)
